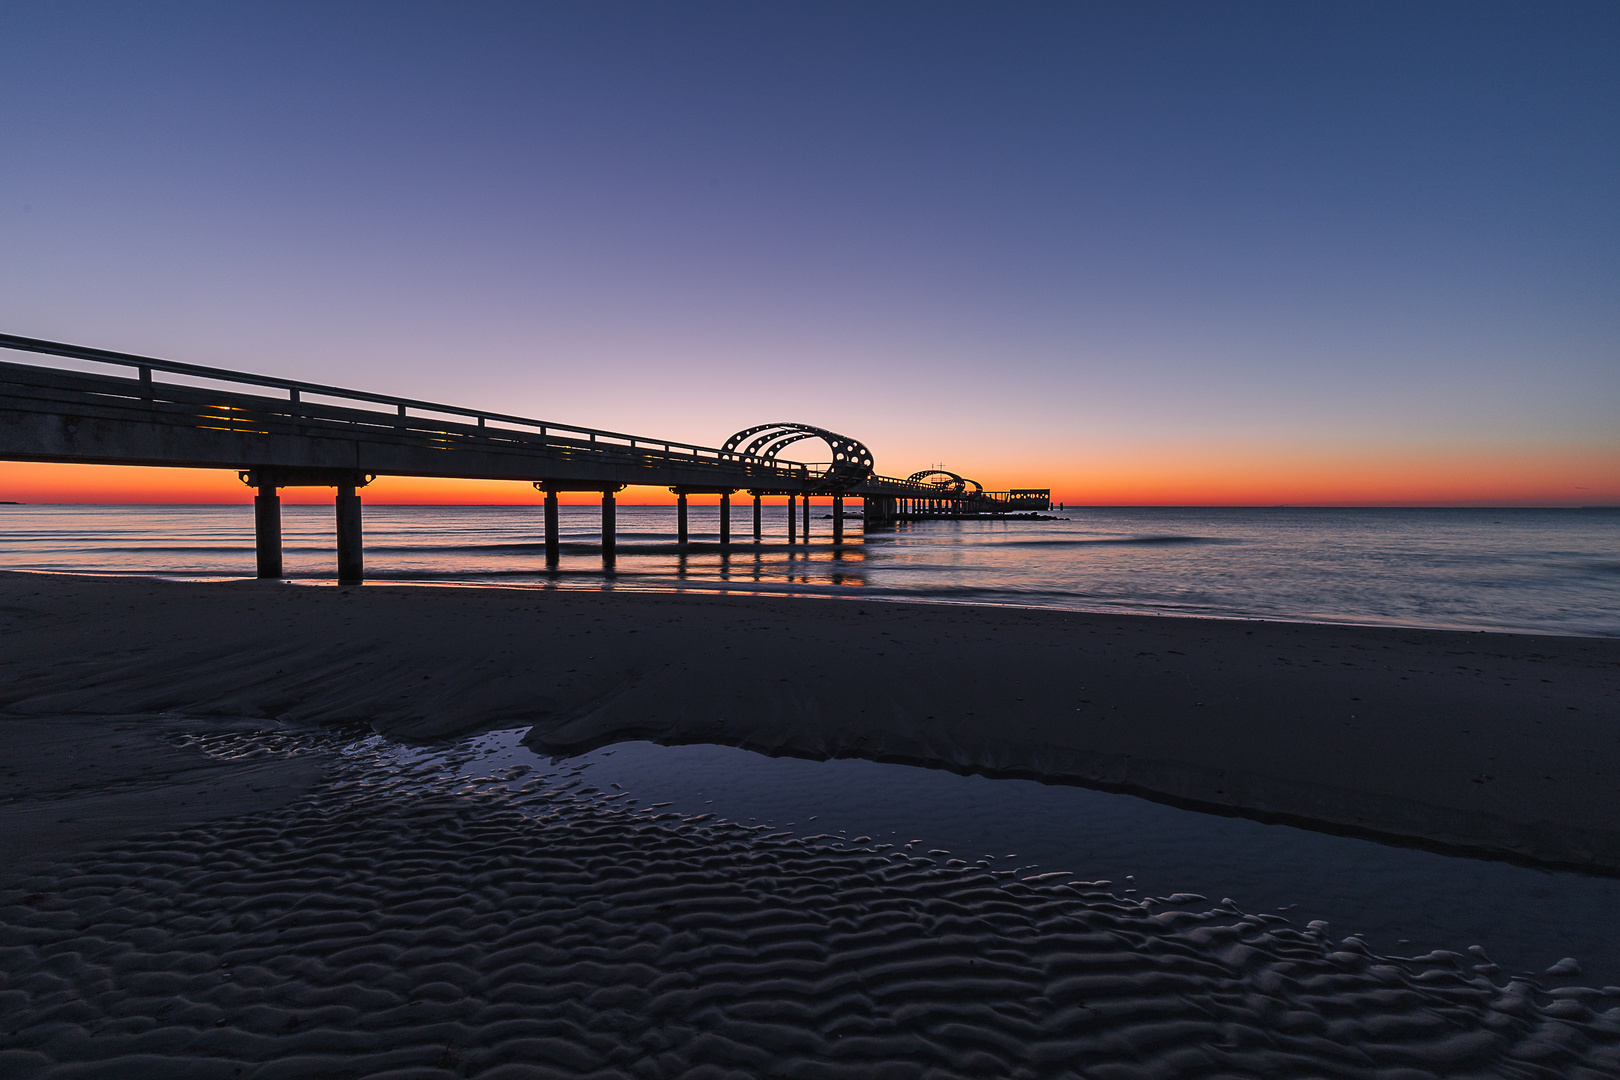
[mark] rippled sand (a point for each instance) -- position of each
(402, 920)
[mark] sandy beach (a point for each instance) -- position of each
(400, 921)
(1497, 744)
(211, 868)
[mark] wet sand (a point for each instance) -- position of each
(1499, 744)
(410, 922)
(72, 783)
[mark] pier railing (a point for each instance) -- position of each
(239, 404)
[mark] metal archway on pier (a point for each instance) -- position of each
(851, 460)
(948, 482)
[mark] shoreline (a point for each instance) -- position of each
(1512, 753)
(813, 592)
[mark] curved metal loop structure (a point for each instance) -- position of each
(948, 482)
(851, 460)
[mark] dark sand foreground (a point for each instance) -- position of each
(196, 881)
(1498, 744)
(407, 923)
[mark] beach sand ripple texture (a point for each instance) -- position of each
(403, 920)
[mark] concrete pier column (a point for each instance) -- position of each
(725, 520)
(680, 518)
(838, 520)
(553, 546)
(609, 527)
(267, 531)
(793, 521)
(350, 556)
(756, 517)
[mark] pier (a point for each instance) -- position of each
(285, 433)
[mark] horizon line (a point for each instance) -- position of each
(988, 517)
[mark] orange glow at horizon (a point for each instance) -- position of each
(1565, 476)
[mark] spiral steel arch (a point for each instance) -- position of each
(952, 484)
(851, 460)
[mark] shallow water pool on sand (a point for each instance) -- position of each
(1401, 901)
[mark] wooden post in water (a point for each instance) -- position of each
(553, 546)
(725, 520)
(756, 517)
(609, 527)
(680, 518)
(267, 530)
(807, 517)
(350, 556)
(838, 520)
(793, 521)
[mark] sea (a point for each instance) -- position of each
(1541, 571)
(1549, 571)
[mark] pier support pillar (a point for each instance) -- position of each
(838, 520)
(793, 520)
(680, 518)
(725, 520)
(267, 531)
(807, 517)
(350, 557)
(267, 480)
(553, 546)
(609, 527)
(756, 517)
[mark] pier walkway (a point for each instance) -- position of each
(278, 433)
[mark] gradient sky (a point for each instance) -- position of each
(1141, 253)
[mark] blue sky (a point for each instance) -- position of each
(1037, 236)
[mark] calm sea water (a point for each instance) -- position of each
(1548, 571)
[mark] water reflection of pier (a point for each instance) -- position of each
(840, 565)
(280, 433)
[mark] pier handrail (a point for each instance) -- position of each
(145, 365)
